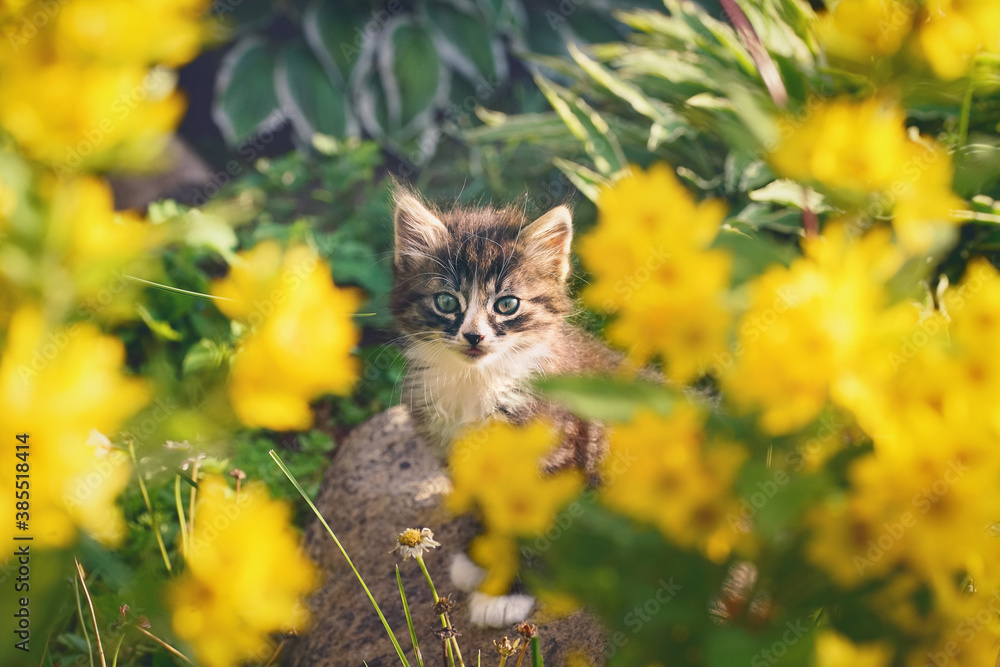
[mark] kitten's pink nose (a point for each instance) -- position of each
(474, 339)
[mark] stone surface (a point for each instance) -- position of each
(384, 479)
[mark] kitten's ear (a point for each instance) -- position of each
(418, 230)
(548, 238)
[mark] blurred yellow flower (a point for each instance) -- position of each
(836, 650)
(806, 324)
(953, 31)
(861, 149)
(676, 480)
(651, 268)
(246, 575)
(498, 555)
(495, 469)
(301, 338)
(58, 386)
(864, 29)
(98, 55)
(856, 146)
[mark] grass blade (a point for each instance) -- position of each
(343, 551)
(409, 620)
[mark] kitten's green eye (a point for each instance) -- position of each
(507, 305)
(446, 303)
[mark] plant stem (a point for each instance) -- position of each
(149, 507)
(524, 649)
(93, 614)
(963, 123)
(343, 551)
(445, 622)
(118, 647)
(83, 624)
(164, 644)
(180, 517)
(409, 620)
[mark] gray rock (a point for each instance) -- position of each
(384, 479)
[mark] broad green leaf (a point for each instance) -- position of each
(412, 74)
(337, 35)
(466, 43)
(312, 102)
(244, 90)
(604, 397)
(586, 125)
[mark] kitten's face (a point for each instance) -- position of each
(479, 285)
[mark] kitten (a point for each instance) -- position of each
(481, 297)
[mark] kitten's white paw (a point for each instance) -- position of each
(465, 575)
(499, 612)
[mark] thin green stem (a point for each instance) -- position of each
(163, 644)
(536, 653)
(963, 123)
(503, 659)
(93, 613)
(445, 623)
(180, 516)
(118, 647)
(178, 290)
(409, 620)
(149, 507)
(343, 551)
(83, 625)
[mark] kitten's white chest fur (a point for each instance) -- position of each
(451, 393)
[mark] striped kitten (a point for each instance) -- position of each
(481, 297)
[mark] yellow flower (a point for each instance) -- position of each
(58, 386)
(651, 268)
(497, 554)
(495, 469)
(246, 575)
(862, 151)
(864, 29)
(857, 146)
(141, 31)
(301, 341)
(675, 481)
(98, 53)
(953, 31)
(835, 650)
(806, 324)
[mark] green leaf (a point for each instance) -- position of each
(312, 102)
(753, 252)
(587, 181)
(161, 329)
(586, 125)
(466, 44)
(337, 35)
(244, 90)
(790, 193)
(205, 354)
(412, 74)
(604, 397)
